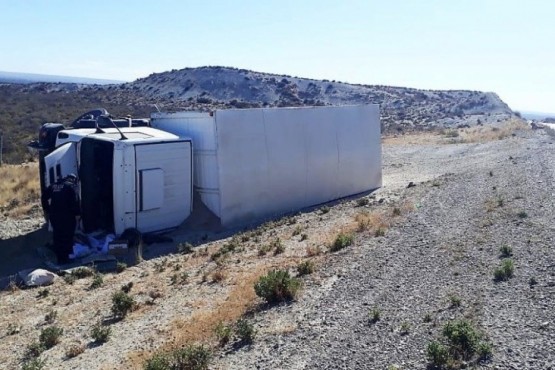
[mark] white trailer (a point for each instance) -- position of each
(247, 165)
(251, 164)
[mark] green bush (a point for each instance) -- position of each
(34, 364)
(159, 361)
(223, 332)
(122, 303)
(192, 357)
(506, 251)
(97, 281)
(485, 351)
(438, 354)
(461, 342)
(305, 268)
(375, 315)
(50, 336)
(245, 331)
(100, 334)
(462, 337)
(82, 272)
(35, 349)
(342, 241)
(505, 271)
(277, 286)
(121, 266)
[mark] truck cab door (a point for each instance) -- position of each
(60, 163)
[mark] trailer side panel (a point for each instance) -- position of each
(274, 161)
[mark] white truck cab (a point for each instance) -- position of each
(134, 177)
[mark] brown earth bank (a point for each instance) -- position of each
(422, 257)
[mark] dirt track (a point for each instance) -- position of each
(447, 246)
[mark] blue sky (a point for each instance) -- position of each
(489, 45)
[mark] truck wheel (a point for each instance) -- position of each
(135, 242)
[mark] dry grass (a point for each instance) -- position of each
(372, 221)
(476, 134)
(19, 189)
(482, 134)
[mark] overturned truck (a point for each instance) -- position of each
(246, 165)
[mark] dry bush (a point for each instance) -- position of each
(19, 188)
(218, 276)
(313, 250)
(367, 221)
(75, 350)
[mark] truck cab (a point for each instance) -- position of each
(131, 177)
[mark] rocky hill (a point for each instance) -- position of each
(400, 106)
(23, 107)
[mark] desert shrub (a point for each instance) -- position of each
(361, 202)
(13, 329)
(69, 279)
(506, 251)
(121, 266)
(230, 247)
(505, 271)
(35, 349)
(218, 276)
(341, 241)
(438, 354)
(122, 303)
(97, 281)
(379, 232)
(185, 248)
(75, 350)
(297, 231)
(159, 361)
(278, 246)
(460, 342)
(305, 268)
(223, 333)
(452, 133)
(485, 351)
(404, 329)
(51, 316)
(374, 315)
(82, 272)
(244, 331)
(277, 286)
(34, 364)
(50, 336)
(462, 338)
(191, 357)
(43, 293)
(324, 209)
(427, 318)
(126, 288)
(263, 249)
(304, 237)
(100, 334)
(454, 300)
(522, 214)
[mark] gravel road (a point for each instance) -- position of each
(480, 197)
